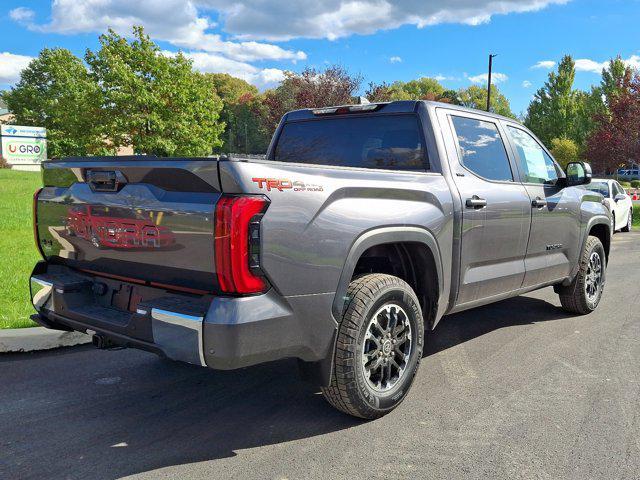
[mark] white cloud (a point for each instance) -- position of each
(184, 20)
(633, 61)
(22, 15)
(175, 21)
(443, 78)
(546, 64)
(495, 78)
(11, 65)
(526, 84)
(214, 63)
(395, 59)
(278, 20)
(587, 65)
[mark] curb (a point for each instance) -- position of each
(38, 338)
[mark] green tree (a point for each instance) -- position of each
(241, 103)
(553, 111)
(246, 132)
(616, 78)
(56, 92)
(229, 88)
(564, 150)
(424, 88)
(154, 102)
(475, 96)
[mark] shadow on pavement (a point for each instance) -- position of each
(82, 413)
(464, 326)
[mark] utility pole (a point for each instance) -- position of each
(489, 82)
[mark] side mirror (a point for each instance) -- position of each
(619, 197)
(578, 173)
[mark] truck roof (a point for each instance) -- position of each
(398, 106)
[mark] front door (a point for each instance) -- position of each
(496, 212)
(554, 211)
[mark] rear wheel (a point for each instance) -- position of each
(627, 227)
(585, 292)
(379, 347)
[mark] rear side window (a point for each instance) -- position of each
(382, 141)
(481, 148)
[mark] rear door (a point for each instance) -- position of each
(496, 212)
(554, 210)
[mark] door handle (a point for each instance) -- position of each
(539, 202)
(475, 202)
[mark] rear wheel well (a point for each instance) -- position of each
(414, 263)
(602, 232)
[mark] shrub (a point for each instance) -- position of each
(3, 163)
(625, 184)
(635, 183)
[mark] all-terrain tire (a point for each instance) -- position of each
(350, 390)
(574, 298)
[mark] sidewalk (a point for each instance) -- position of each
(38, 338)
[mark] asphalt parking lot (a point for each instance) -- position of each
(517, 389)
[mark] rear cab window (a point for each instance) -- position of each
(393, 142)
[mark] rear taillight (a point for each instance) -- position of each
(237, 243)
(35, 221)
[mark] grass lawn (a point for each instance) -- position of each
(18, 252)
(636, 215)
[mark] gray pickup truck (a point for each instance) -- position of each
(362, 227)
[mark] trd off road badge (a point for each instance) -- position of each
(282, 184)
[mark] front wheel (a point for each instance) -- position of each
(379, 347)
(627, 227)
(585, 292)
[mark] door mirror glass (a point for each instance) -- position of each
(578, 173)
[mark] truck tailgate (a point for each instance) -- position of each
(149, 220)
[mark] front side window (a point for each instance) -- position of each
(481, 148)
(536, 164)
(376, 141)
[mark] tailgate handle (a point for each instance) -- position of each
(105, 180)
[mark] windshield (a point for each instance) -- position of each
(600, 187)
(380, 141)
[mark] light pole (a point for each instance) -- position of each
(489, 82)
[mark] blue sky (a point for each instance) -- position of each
(380, 39)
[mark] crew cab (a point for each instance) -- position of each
(362, 228)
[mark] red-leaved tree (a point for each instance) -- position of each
(310, 89)
(615, 141)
